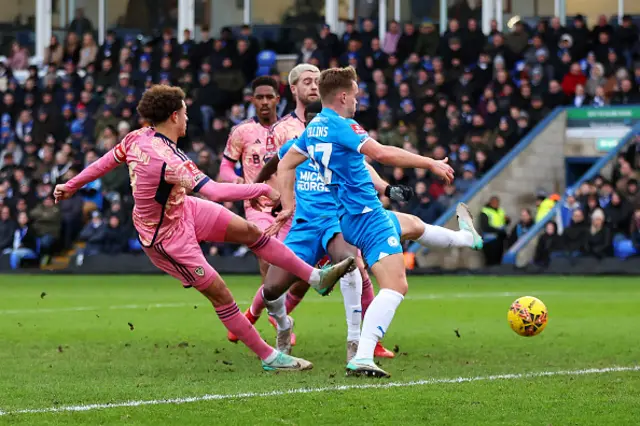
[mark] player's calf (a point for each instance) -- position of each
(391, 276)
(239, 325)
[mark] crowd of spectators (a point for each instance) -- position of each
(464, 95)
(600, 219)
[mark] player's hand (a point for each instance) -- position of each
(62, 193)
(442, 169)
(280, 221)
(399, 192)
(238, 181)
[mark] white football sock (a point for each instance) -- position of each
(377, 321)
(278, 311)
(351, 288)
(314, 279)
(439, 237)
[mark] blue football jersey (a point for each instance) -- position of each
(313, 198)
(333, 143)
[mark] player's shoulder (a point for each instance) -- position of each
(139, 134)
(278, 125)
(243, 125)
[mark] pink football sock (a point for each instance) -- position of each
(276, 253)
(257, 306)
(239, 325)
(367, 295)
(291, 302)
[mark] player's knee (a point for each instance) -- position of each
(414, 228)
(402, 287)
(270, 291)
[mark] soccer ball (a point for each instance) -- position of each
(527, 316)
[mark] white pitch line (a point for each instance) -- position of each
(218, 397)
(434, 296)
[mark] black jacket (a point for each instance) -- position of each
(7, 228)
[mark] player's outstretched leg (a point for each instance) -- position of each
(228, 312)
(276, 253)
(413, 228)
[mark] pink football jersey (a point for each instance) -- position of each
(160, 174)
(288, 127)
(252, 144)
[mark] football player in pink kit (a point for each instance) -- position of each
(303, 81)
(171, 224)
(252, 144)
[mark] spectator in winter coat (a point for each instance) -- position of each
(24, 243)
(572, 79)
(7, 228)
(71, 212)
(548, 243)
(94, 235)
(47, 222)
(115, 238)
(566, 210)
(521, 228)
(575, 237)
(599, 240)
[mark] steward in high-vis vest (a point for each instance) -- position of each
(546, 205)
(493, 224)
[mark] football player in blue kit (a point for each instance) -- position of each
(337, 145)
(315, 233)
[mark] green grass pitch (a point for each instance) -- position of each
(148, 346)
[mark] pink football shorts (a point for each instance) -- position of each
(263, 220)
(180, 255)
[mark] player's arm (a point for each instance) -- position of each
(287, 177)
(268, 170)
(397, 157)
(353, 137)
(187, 175)
(232, 154)
(395, 192)
(109, 161)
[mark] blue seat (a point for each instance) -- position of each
(267, 59)
(134, 245)
(263, 71)
(623, 248)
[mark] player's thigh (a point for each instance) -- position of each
(410, 227)
(209, 220)
(374, 233)
(390, 273)
(181, 257)
(241, 231)
(338, 249)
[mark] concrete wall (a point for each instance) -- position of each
(540, 165)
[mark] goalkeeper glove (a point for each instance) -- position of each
(399, 192)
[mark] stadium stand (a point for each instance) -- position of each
(464, 95)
